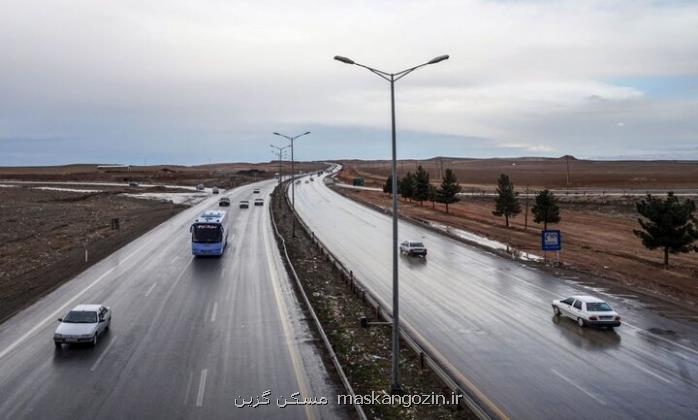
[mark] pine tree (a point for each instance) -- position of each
(507, 201)
(421, 185)
(433, 195)
(406, 186)
(545, 210)
(388, 186)
(449, 189)
(670, 225)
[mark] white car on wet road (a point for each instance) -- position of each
(587, 311)
(84, 324)
(415, 248)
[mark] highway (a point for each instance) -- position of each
(188, 335)
(491, 319)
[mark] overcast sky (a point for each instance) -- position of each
(187, 82)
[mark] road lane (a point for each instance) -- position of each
(491, 318)
(188, 335)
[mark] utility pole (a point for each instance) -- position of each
(526, 211)
(567, 163)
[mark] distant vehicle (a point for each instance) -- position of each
(208, 233)
(311, 179)
(587, 310)
(132, 184)
(214, 190)
(244, 204)
(200, 187)
(82, 325)
(258, 201)
(298, 182)
(224, 202)
(255, 191)
(306, 181)
(413, 248)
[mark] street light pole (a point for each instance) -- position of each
(293, 175)
(277, 156)
(392, 78)
(280, 149)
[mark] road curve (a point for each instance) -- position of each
(491, 319)
(188, 335)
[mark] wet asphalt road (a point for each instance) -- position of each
(491, 319)
(188, 335)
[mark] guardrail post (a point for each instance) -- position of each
(421, 360)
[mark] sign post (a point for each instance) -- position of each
(551, 240)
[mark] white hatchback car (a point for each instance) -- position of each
(587, 310)
(83, 325)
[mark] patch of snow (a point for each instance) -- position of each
(486, 242)
(66, 189)
(357, 187)
(176, 198)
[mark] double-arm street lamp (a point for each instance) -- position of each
(392, 78)
(279, 151)
(293, 175)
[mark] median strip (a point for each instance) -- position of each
(362, 355)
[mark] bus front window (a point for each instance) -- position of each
(205, 233)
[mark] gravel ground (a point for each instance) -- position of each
(43, 235)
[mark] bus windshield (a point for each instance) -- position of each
(206, 233)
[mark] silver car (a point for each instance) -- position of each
(83, 325)
(587, 311)
(413, 248)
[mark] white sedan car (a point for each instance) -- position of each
(83, 325)
(587, 310)
(413, 248)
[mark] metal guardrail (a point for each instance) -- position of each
(454, 380)
(316, 320)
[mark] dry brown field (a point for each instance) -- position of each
(538, 173)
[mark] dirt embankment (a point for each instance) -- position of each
(597, 239)
(365, 354)
(43, 235)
